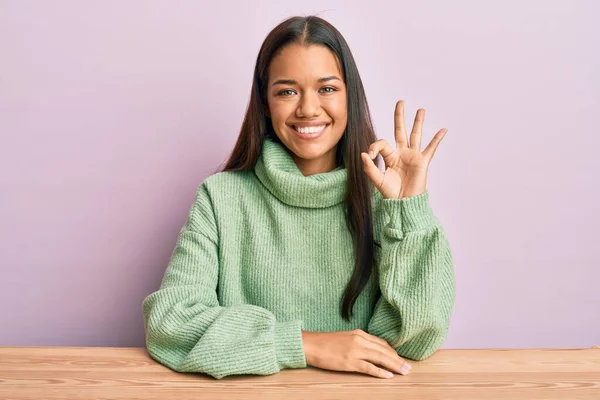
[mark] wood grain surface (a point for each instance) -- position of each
(129, 373)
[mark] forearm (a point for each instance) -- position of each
(416, 278)
(188, 334)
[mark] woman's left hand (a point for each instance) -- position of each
(406, 166)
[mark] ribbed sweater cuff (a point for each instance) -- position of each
(410, 213)
(288, 345)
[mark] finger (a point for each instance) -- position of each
(386, 361)
(415, 135)
(374, 338)
(429, 151)
(382, 147)
(370, 369)
(371, 170)
(381, 353)
(384, 346)
(399, 127)
(390, 354)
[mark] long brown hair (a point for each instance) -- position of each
(358, 136)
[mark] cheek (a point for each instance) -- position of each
(339, 111)
(280, 111)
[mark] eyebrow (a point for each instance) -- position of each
(293, 82)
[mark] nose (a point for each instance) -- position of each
(309, 105)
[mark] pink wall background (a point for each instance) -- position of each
(113, 112)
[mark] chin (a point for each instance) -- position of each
(309, 151)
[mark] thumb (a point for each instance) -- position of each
(372, 171)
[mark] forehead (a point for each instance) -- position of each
(300, 62)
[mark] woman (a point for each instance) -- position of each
(302, 252)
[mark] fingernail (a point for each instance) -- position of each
(389, 374)
(405, 368)
(371, 154)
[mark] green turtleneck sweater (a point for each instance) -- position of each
(265, 254)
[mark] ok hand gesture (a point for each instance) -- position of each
(406, 166)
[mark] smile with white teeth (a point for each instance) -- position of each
(310, 129)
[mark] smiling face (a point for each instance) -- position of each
(306, 98)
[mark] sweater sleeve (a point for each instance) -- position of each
(416, 279)
(188, 330)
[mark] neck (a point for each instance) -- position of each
(278, 172)
(323, 164)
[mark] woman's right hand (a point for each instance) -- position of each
(352, 351)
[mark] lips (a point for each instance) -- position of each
(308, 133)
(310, 129)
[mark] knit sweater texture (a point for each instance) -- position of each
(266, 253)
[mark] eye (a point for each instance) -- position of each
(283, 93)
(329, 91)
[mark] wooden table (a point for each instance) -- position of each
(129, 373)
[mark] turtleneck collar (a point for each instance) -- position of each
(279, 173)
